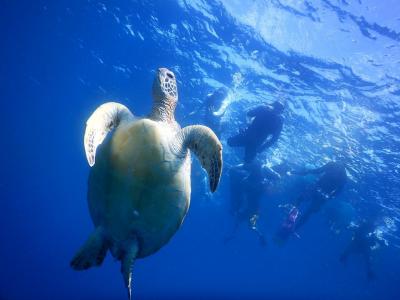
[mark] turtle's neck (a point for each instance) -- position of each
(163, 111)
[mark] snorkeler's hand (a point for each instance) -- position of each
(293, 172)
(298, 172)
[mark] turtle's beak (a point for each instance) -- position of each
(162, 70)
(164, 73)
(166, 84)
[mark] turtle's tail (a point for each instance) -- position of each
(92, 253)
(127, 261)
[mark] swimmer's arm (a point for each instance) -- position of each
(208, 103)
(272, 140)
(268, 143)
(202, 107)
(337, 191)
(309, 171)
(270, 174)
(254, 112)
(317, 170)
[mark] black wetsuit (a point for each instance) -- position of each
(329, 185)
(248, 184)
(267, 122)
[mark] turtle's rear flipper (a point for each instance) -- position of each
(92, 253)
(127, 262)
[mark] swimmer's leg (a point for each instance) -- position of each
(235, 203)
(238, 140)
(250, 153)
(303, 218)
(368, 262)
(317, 201)
(232, 235)
(236, 176)
(343, 257)
(306, 215)
(253, 226)
(302, 198)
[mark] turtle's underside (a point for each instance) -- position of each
(139, 184)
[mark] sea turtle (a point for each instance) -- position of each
(139, 183)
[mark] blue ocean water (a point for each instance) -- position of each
(335, 65)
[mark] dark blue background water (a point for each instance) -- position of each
(334, 63)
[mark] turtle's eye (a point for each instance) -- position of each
(170, 75)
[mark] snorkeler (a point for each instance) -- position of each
(212, 106)
(330, 183)
(363, 242)
(248, 184)
(267, 122)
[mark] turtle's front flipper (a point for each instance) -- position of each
(92, 253)
(104, 119)
(127, 261)
(208, 149)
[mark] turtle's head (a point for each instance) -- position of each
(165, 91)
